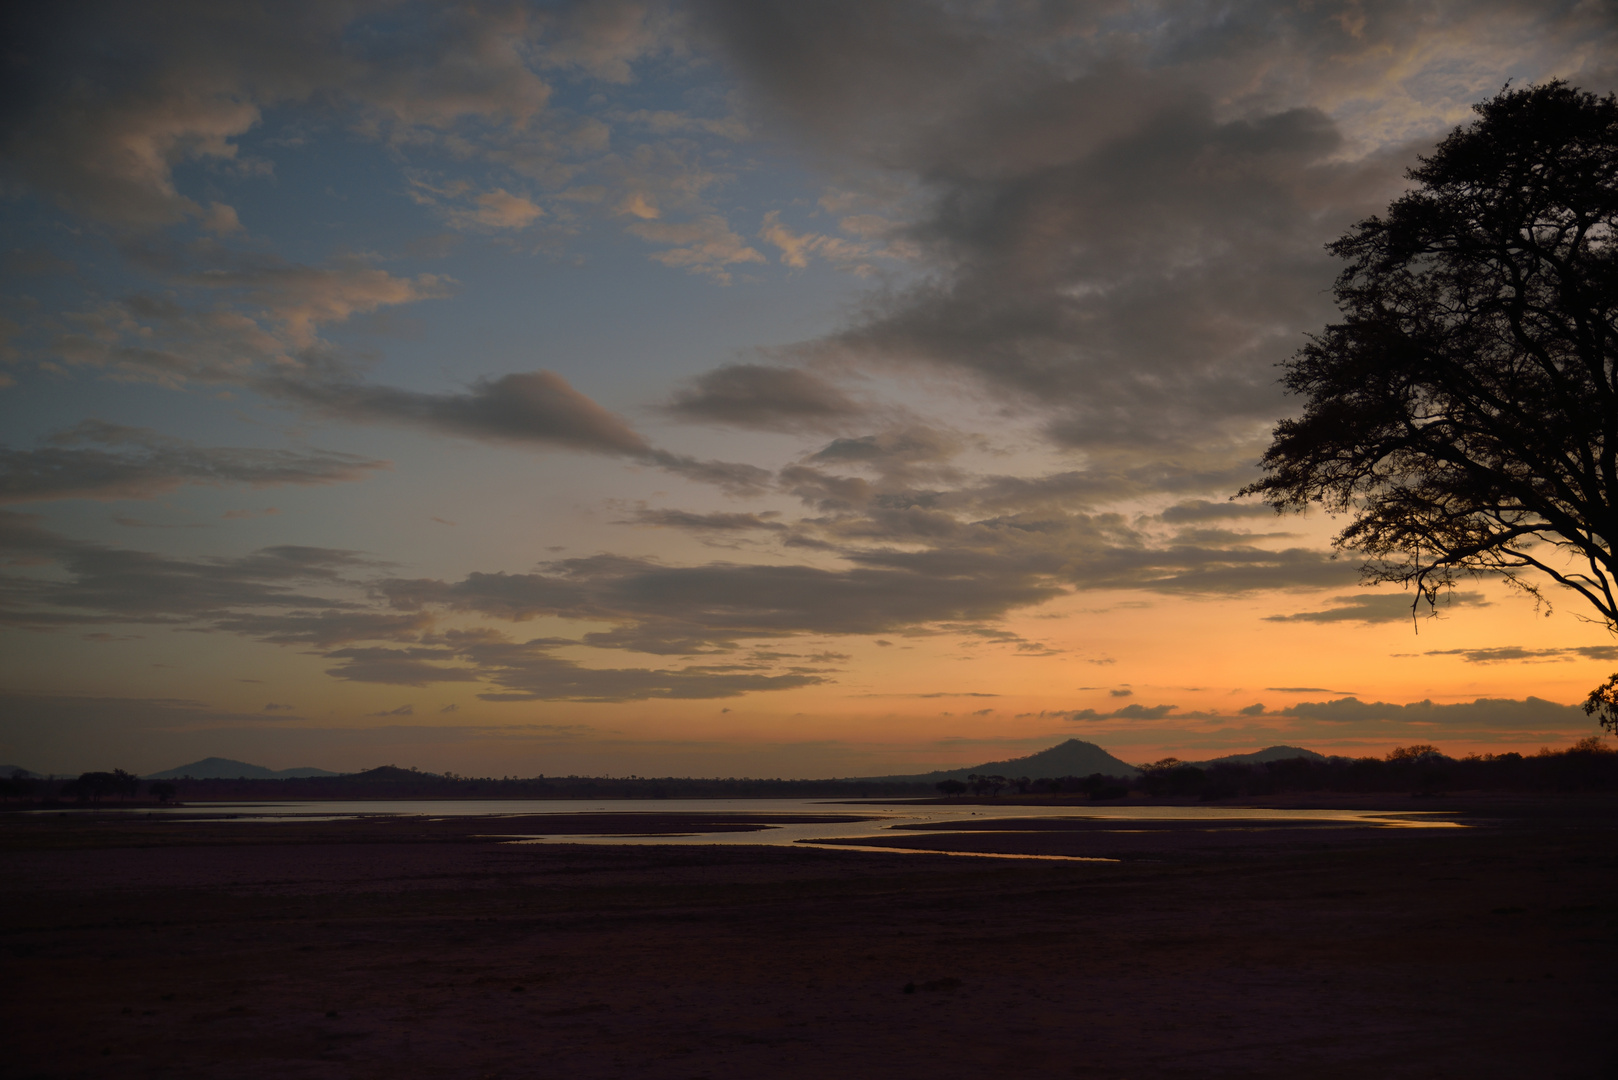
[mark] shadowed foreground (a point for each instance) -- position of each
(397, 949)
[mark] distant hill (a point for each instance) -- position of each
(1269, 753)
(218, 768)
(13, 770)
(1072, 758)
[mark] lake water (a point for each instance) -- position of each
(883, 818)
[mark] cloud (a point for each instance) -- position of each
(1506, 653)
(321, 598)
(1378, 608)
(527, 671)
(911, 454)
(706, 245)
(498, 209)
(103, 584)
(720, 602)
(464, 207)
(325, 629)
(534, 407)
(716, 522)
(1118, 219)
(796, 248)
(397, 667)
(137, 463)
(732, 477)
(1491, 713)
(605, 39)
(105, 101)
(1192, 510)
(1127, 712)
(227, 316)
(764, 398)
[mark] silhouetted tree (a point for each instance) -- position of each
(90, 786)
(951, 787)
(1417, 752)
(124, 784)
(1465, 412)
(986, 784)
(1603, 704)
(162, 790)
(19, 783)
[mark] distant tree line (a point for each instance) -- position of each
(390, 782)
(90, 787)
(1420, 769)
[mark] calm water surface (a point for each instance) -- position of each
(882, 817)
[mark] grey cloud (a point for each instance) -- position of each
(105, 100)
(929, 533)
(666, 637)
(1120, 215)
(136, 463)
(906, 446)
(397, 667)
(545, 678)
(909, 455)
(1505, 653)
(719, 602)
(718, 522)
(1202, 510)
(1100, 552)
(766, 398)
(325, 629)
(1128, 712)
(229, 317)
(733, 478)
(536, 407)
(267, 595)
(1134, 292)
(107, 584)
(825, 491)
(526, 671)
(1491, 713)
(1378, 608)
(1106, 480)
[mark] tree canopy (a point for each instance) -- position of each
(1465, 411)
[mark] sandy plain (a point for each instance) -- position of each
(138, 948)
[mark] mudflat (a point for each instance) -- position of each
(170, 948)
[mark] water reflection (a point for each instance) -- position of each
(976, 831)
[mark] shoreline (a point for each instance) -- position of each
(420, 950)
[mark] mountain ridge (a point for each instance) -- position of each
(1279, 752)
(218, 768)
(1075, 757)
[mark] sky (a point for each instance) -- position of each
(721, 389)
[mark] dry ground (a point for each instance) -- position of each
(146, 949)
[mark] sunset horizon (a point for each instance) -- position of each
(718, 390)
